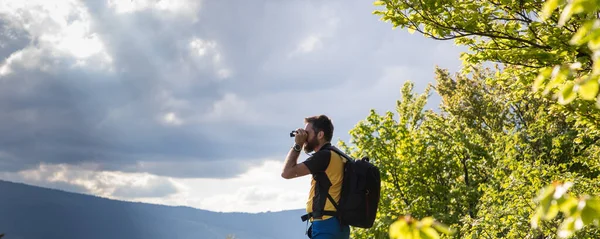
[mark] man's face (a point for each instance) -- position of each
(312, 141)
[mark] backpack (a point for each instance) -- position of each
(359, 199)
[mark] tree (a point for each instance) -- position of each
(477, 164)
(555, 53)
(529, 35)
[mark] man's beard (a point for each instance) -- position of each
(311, 145)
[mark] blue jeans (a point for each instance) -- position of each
(330, 229)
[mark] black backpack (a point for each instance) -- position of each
(359, 199)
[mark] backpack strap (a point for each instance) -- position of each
(319, 213)
(340, 152)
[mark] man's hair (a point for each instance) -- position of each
(321, 123)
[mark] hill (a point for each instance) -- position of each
(34, 212)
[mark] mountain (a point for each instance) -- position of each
(30, 212)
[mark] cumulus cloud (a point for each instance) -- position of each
(87, 179)
(61, 30)
(257, 190)
(183, 90)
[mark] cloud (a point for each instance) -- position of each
(182, 92)
(60, 29)
(259, 189)
(86, 179)
(152, 188)
(309, 44)
(187, 8)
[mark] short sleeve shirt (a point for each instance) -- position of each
(332, 165)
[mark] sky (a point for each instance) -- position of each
(191, 102)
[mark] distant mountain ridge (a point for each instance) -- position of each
(31, 212)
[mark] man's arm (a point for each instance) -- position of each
(292, 169)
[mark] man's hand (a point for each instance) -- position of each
(291, 168)
(301, 137)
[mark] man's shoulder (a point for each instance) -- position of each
(318, 161)
(322, 154)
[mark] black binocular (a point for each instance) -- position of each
(293, 133)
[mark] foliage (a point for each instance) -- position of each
(477, 164)
(586, 80)
(500, 136)
(409, 228)
(528, 34)
(578, 212)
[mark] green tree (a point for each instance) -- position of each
(561, 47)
(478, 163)
(554, 52)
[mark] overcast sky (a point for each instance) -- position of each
(190, 102)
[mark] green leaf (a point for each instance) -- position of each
(546, 193)
(379, 3)
(411, 29)
(535, 219)
(559, 76)
(396, 229)
(567, 94)
(565, 15)
(594, 41)
(541, 78)
(589, 216)
(568, 206)
(427, 222)
(548, 8)
(596, 66)
(561, 189)
(589, 89)
(567, 228)
(593, 203)
(552, 211)
(429, 233)
(443, 229)
(580, 36)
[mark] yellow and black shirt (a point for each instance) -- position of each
(327, 169)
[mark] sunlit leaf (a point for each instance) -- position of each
(559, 76)
(551, 212)
(566, 14)
(429, 233)
(411, 29)
(561, 189)
(594, 40)
(379, 3)
(566, 228)
(580, 36)
(536, 218)
(596, 66)
(590, 214)
(568, 205)
(548, 7)
(542, 78)
(567, 94)
(396, 229)
(443, 229)
(427, 221)
(546, 193)
(589, 89)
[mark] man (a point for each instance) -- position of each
(327, 169)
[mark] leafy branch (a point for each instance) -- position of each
(407, 227)
(586, 83)
(578, 212)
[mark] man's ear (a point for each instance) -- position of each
(321, 135)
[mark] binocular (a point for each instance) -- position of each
(293, 133)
